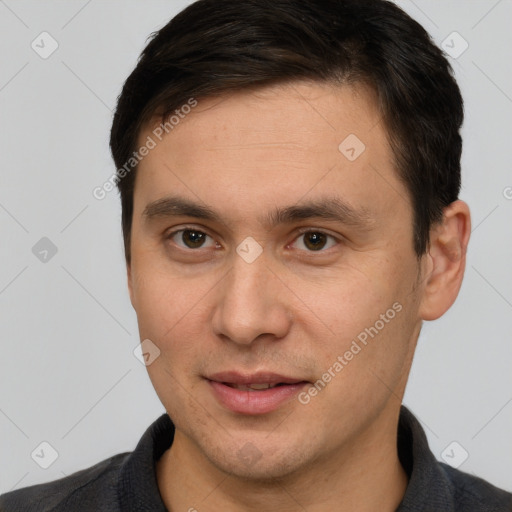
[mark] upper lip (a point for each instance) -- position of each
(237, 378)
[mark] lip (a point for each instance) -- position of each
(254, 402)
(241, 379)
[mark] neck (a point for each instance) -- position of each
(364, 476)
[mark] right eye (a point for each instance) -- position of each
(190, 238)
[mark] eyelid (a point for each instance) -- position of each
(312, 229)
(176, 229)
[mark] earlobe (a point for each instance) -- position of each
(447, 254)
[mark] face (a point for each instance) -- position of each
(270, 246)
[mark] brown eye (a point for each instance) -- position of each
(191, 239)
(315, 241)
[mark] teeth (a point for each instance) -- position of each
(260, 386)
(254, 387)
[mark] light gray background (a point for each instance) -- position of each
(68, 375)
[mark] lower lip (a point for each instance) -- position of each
(254, 402)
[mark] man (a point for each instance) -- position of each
(289, 175)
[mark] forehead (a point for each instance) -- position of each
(296, 109)
(275, 144)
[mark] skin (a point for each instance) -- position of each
(293, 310)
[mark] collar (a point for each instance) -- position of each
(429, 485)
(428, 481)
(137, 486)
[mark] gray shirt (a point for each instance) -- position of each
(127, 481)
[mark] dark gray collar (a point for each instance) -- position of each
(433, 486)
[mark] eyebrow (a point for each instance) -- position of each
(327, 208)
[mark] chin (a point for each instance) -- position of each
(252, 462)
(264, 473)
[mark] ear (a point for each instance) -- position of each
(445, 261)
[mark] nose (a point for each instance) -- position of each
(251, 304)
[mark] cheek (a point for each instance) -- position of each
(371, 319)
(364, 367)
(348, 300)
(164, 300)
(173, 314)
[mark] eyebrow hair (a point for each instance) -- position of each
(174, 206)
(328, 208)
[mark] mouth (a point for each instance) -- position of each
(254, 394)
(253, 386)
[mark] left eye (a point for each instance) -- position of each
(315, 241)
(191, 239)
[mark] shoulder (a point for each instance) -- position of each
(473, 494)
(434, 485)
(94, 488)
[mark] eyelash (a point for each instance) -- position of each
(302, 232)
